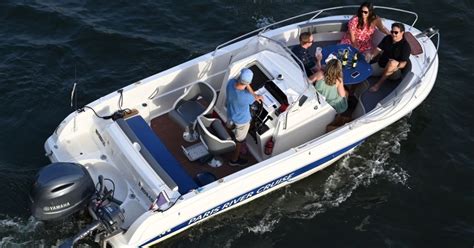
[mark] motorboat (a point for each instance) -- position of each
(151, 160)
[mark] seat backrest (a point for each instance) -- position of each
(199, 99)
(214, 135)
(200, 89)
(324, 27)
(325, 32)
(415, 46)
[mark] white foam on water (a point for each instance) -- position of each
(266, 224)
(21, 232)
(229, 230)
(234, 237)
(17, 232)
(273, 213)
(262, 21)
(365, 222)
(201, 230)
(358, 169)
(363, 167)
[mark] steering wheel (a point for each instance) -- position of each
(256, 110)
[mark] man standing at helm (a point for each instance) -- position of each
(239, 97)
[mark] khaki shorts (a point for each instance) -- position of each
(240, 130)
(377, 71)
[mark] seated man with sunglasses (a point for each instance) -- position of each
(305, 52)
(395, 56)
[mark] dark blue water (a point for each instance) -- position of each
(410, 185)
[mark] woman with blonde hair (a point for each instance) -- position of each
(329, 84)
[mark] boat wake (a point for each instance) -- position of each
(21, 232)
(325, 190)
(17, 232)
(368, 164)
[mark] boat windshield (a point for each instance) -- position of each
(262, 43)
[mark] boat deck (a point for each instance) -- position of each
(171, 136)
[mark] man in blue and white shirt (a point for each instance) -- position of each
(240, 96)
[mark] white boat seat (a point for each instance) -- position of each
(214, 136)
(324, 27)
(326, 33)
(199, 99)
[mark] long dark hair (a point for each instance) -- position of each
(372, 16)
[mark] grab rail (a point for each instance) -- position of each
(401, 10)
(315, 14)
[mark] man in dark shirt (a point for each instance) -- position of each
(305, 52)
(395, 56)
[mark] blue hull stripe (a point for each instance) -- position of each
(258, 190)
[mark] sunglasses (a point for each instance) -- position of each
(365, 12)
(394, 32)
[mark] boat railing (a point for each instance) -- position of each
(438, 39)
(415, 15)
(314, 14)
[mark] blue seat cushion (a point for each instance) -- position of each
(190, 110)
(205, 178)
(158, 150)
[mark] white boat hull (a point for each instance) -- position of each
(104, 150)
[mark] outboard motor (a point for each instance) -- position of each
(61, 189)
(106, 212)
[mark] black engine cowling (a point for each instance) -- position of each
(60, 189)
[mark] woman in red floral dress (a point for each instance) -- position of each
(362, 26)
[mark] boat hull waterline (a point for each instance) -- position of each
(257, 192)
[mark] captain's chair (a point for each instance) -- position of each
(215, 137)
(199, 99)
